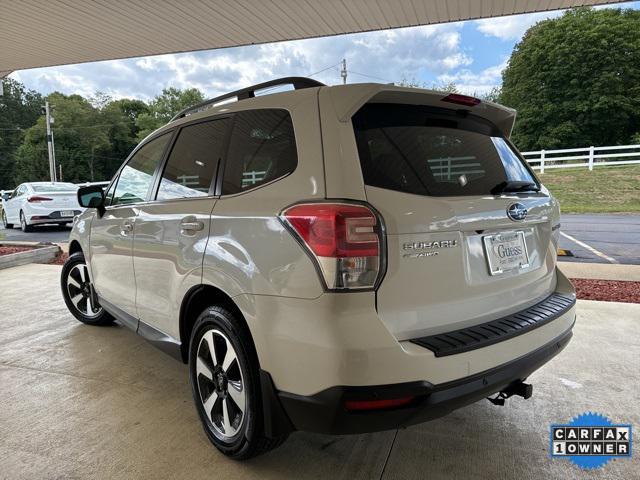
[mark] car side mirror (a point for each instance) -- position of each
(92, 197)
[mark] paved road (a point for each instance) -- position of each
(602, 238)
(46, 233)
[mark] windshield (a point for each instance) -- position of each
(54, 187)
(432, 151)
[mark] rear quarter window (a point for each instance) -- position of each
(262, 148)
(431, 151)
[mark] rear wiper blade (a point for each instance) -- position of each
(514, 186)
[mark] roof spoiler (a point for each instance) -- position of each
(349, 99)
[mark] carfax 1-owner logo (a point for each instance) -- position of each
(590, 440)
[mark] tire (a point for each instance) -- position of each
(24, 226)
(75, 283)
(7, 226)
(219, 391)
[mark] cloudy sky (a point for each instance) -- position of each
(471, 54)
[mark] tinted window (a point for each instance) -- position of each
(193, 161)
(55, 187)
(137, 175)
(262, 148)
(428, 151)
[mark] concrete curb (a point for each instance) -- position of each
(600, 271)
(38, 254)
(18, 243)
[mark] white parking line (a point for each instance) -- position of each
(590, 248)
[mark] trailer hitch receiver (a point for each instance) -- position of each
(519, 388)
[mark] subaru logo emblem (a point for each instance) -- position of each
(517, 211)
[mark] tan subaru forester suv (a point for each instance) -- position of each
(340, 259)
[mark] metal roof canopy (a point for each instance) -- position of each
(35, 33)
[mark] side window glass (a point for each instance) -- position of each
(193, 161)
(262, 148)
(137, 175)
(108, 196)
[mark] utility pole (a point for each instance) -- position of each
(52, 156)
(91, 164)
(343, 72)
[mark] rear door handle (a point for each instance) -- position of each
(190, 224)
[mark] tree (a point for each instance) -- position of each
(448, 87)
(165, 106)
(78, 135)
(19, 110)
(119, 118)
(492, 95)
(575, 80)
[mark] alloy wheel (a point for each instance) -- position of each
(221, 384)
(81, 291)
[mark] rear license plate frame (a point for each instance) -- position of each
(512, 238)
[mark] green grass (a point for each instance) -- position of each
(603, 190)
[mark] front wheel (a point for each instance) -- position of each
(78, 292)
(5, 224)
(225, 383)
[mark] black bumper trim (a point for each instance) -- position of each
(324, 412)
(57, 215)
(485, 334)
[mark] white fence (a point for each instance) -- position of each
(583, 157)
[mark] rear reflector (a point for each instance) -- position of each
(343, 238)
(361, 405)
(38, 199)
(462, 99)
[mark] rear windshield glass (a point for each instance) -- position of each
(55, 187)
(432, 151)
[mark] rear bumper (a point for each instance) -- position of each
(51, 217)
(312, 345)
(325, 412)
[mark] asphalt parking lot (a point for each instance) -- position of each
(601, 238)
(88, 402)
(44, 233)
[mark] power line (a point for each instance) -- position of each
(371, 76)
(323, 70)
(309, 75)
(73, 127)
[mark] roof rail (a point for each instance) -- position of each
(250, 92)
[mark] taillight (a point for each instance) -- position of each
(344, 239)
(38, 199)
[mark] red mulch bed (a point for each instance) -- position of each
(607, 290)
(10, 250)
(60, 259)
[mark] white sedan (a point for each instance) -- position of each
(36, 203)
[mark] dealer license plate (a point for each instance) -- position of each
(506, 251)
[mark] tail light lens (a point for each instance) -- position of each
(344, 239)
(38, 199)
